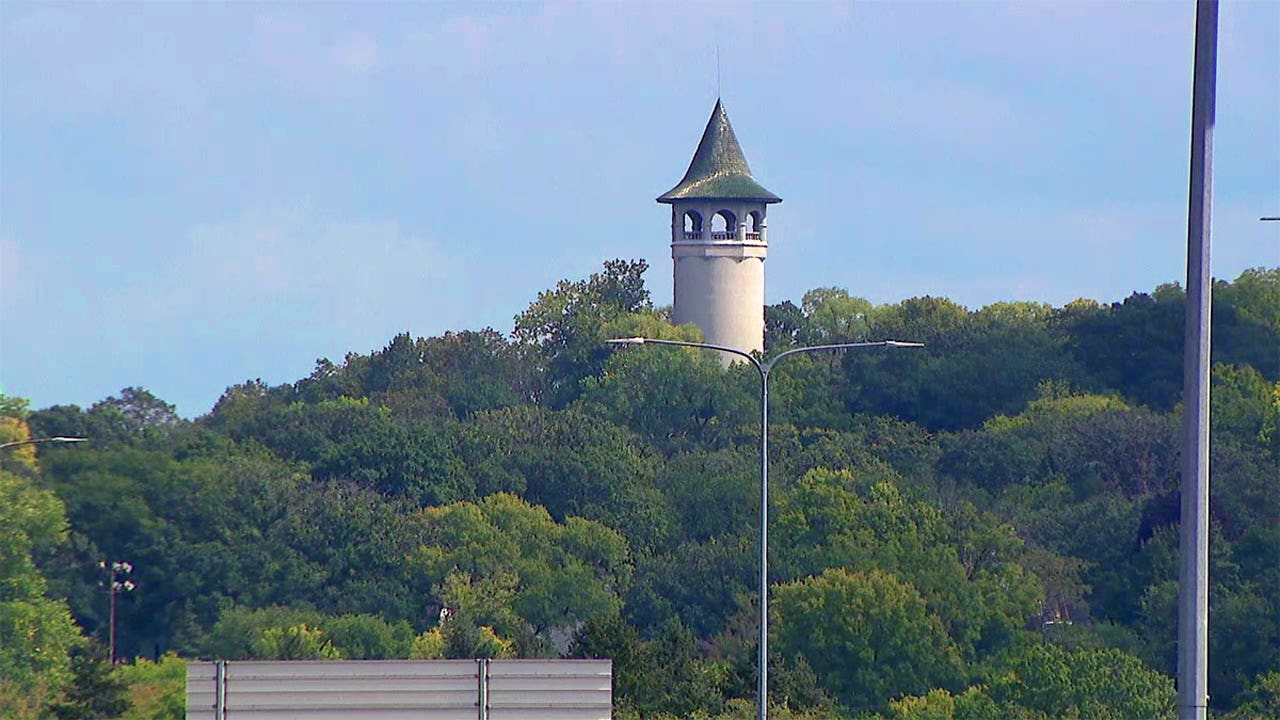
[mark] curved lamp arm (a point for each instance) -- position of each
(762, 367)
(681, 343)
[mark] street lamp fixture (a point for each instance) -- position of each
(37, 441)
(764, 367)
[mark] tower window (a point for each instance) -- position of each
(692, 225)
(724, 226)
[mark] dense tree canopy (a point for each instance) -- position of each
(983, 528)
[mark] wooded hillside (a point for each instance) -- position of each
(985, 527)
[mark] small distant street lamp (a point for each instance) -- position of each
(114, 584)
(764, 368)
(37, 441)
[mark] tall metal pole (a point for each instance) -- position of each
(1193, 570)
(763, 692)
(111, 623)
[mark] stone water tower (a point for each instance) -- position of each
(719, 241)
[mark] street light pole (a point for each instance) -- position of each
(763, 368)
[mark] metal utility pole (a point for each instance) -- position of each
(114, 585)
(1193, 569)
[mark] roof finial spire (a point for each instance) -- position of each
(718, 71)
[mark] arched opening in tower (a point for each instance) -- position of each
(724, 226)
(692, 225)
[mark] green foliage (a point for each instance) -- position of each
(455, 375)
(1246, 320)
(508, 564)
(463, 638)
(868, 636)
(1049, 683)
(985, 528)
(1261, 701)
(296, 642)
(698, 583)
(570, 462)
(964, 565)
(135, 417)
(292, 633)
(835, 317)
(563, 328)
(351, 439)
(974, 364)
(1245, 407)
(369, 637)
(157, 690)
(96, 691)
(430, 645)
(36, 631)
(1104, 684)
(243, 528)
(665, 676)
(688, 399)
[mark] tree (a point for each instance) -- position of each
(141, 409)
(1261, 701)
(157, 689)
(867, 635)
(698, 583)
(1049, 683)
(1103, 684)
(785, 326)
(96, 691)
(965, 565)
(507, 564)
(296, 642)
(654, 677)
(836, 317)
(1245, 407)
(273, 632)
(688, 399)
(563, 326)
(932, 509)
(973, 365)
(36, 631)
(569, 461)
(454, 374)
(1246, 320)
(726, 479)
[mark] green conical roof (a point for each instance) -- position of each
(719, 170)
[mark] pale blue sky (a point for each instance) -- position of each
(192, 195)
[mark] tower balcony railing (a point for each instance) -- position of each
(726, 235)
